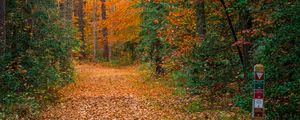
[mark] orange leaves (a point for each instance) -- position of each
(179, 32)
(123, 20)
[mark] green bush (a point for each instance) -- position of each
(280, 53)
(37, 59)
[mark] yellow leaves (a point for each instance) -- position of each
(123, 20)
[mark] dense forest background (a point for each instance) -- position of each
(201, 47)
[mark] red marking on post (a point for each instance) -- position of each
(258, 112)
(258, 94)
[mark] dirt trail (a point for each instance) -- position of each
(108, 93)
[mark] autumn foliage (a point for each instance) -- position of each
(203, 49)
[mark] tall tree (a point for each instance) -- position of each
(2, 27)
(80, 13)
(200, 18)
(152, 42)
(61, 9)
(95, 28)
(113, 9)
(105, 32)
(245, 24)
(68, 8)
(234, 34)
(38, 42)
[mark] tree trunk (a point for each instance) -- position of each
(113, 9)
(105, 33)
(95, 29)
(61, 9)
(2, 27)
(241, 54)
(68, 8)
(233, 32)
(246, 23)
(200, 18)
(81, 27)
(158, 59)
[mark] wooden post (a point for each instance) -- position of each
(258, 93)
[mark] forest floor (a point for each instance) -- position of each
(103, 92)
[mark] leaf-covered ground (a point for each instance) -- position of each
(102, 92)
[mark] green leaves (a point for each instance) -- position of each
(273, 30)
(38, 57)
(153, 17)
(279, 53)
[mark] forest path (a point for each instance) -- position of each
(102, 92)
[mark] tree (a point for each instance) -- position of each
(68, 11)
(2, 27)
(235, 37)
(95, 28)
(153, 44)
(279, 51)
(104, 32)
(38, 58)
(80, 13)
(200, 18)
(113, 9)
(119, 24)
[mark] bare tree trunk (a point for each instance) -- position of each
(105, 33)
(201, 18)
(81, 27)
(113, 8)
(2, 27)
(95, 29)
